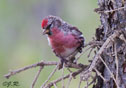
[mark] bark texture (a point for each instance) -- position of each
(113, 18)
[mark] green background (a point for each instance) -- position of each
(22, 42)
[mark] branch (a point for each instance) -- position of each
(99, 74)
(74, 74)
(36, 76)
(98, 10)
(92, 44)
(117, 65)
(42, 63)
(110, 72)
(50, 76)
(107, 43)
(69, 80)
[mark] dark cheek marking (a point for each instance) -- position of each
(49, 33)
(48, 28)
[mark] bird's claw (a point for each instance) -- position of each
(62, 61)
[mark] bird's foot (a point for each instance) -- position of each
(73, 60)
(62, 61)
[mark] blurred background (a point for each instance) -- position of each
(22, 42)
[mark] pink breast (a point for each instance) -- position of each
(60, 42)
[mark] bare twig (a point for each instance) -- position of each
(55, 85)
(97, 56)
(109, 72)
(36, 76)
(63, 86)
(72, 65)
(42, 63)
(82, 53)
(93, 80)
(90, 52)
(79, 83)
(99, 74)
(69, 80)
(117, 65)
(56, 81)
(115, 10)
(122, 37)
(74, 74)
(107, 42)
(92, 45)
(87, 83)
(109, 11)
(50, 76)
(69, 70)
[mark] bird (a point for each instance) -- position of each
(65, 40)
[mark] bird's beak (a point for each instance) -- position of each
(46, 31)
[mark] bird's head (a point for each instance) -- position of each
(50, 22)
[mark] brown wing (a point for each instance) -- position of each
(69, 29)
(75, 31)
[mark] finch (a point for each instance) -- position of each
(65, 40)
